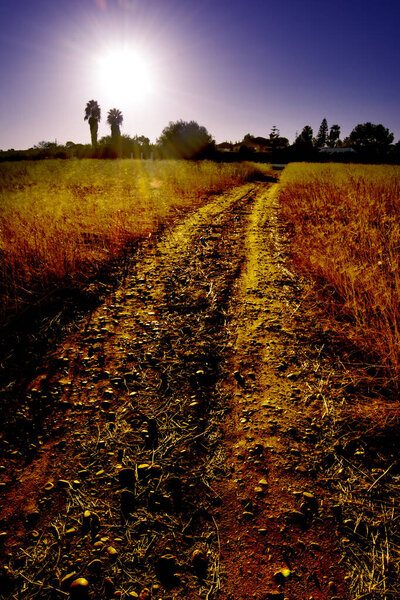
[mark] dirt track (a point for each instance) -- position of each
(180, 423)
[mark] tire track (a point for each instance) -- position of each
(178, 460)
(134, 428)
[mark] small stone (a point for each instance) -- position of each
(281, 576)
(337, 511)
(70, 532)
(95, 565)
(310, 500)
(295, 516)
(127, 501)
(63, 483)
(112, 552)
(145, 594)
(7, 580)
(109, 587)
(154, 470)
(67, 580)
(239, 378)
(133, 595)
(247, 515)
(314, 546)
(308, 496)
(263, 483)
(49, 486)
(127, 478)
(32, 518)
(142, 470)
(293, 376)
(199, 560)
(155, 589)
(166, 566)
(79, 588)
(84, 473)
(86, 520)
(332, 587)
(94, 524)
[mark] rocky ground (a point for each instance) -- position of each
(178, 444)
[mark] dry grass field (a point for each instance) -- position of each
(204, 353)
(345, 227)
(60, 221)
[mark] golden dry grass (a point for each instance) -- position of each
(60, 221)
(345, 225)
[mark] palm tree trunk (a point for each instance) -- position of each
(93, 130)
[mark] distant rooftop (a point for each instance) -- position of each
(337, 150)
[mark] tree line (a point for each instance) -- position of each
(364, 137)
(367, 142)
(178, 140)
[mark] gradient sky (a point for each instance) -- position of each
(234, 66)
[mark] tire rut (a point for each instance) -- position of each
(121, 490)
(280, 519)
(179, 460)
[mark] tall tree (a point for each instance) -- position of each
(306, 137)
(274, 136)
(275, 133)
(371, 138)
(93, 115)
(322, 136)
(114, 119)
(334, 136)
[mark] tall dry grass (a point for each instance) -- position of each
(345, 222)
(60, 221)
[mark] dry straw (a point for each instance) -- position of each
(60, 221)
(346, 234)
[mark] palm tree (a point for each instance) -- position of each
(93, 114)
(114, 119)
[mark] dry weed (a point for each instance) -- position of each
(345, 229)
(60, 221)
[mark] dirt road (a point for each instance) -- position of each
(179, 459)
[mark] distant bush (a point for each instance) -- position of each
(185, 140)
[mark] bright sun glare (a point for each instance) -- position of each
(125, 76)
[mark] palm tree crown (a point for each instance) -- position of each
(93, 115)
(92, 110)
(114, 119)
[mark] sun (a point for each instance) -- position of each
(125, 76)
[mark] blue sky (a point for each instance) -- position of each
(236, 67)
